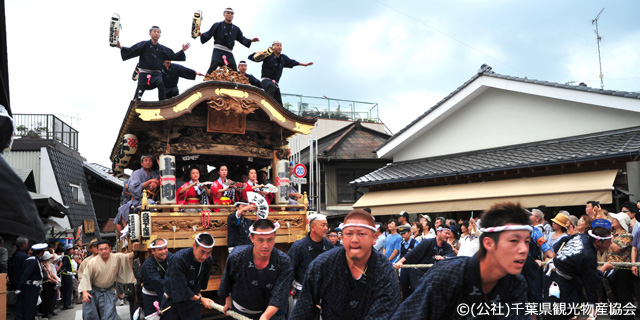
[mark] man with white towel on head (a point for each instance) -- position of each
(305, 250)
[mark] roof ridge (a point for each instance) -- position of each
(617, 143)
(529, 144)
(339, 140)
(486, 70)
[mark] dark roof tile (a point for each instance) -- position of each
(69, 170)
(609, 144)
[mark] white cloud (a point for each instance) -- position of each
(60, 61)
(402, 107)
(620, 64)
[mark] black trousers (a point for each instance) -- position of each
(622, 286)
(636, 292)
(405, 283)
(569, 293)
(533, 275)
(183, 310)
(19, 306)
(67, 290)
(272, 89)
(29, 297)
(172, 92)
(48, 298)
(146, 83)
(147, 303)
(216, 60)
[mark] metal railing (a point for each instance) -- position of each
(45, 126)
(330, 108)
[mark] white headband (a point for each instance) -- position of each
(510, 227)
(599, 237)
(277, 226)
(441, 228)
(362, 225)
(317, 216)
(159, 246)
(201, 244)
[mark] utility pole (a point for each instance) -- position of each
(599, 38)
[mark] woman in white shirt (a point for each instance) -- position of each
(469, 243)
(416, 231)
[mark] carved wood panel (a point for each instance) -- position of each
(162, 225)
(227, 114)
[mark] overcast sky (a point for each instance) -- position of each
(403, 55)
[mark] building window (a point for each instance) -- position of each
(345, 193)
(77, 193)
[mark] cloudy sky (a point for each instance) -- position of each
(403, 55)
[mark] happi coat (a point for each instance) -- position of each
(456, 281)
(185, 278)
(329, 284)
(254, 289)
(302, 252)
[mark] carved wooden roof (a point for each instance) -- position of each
(221, 96)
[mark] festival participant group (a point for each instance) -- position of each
(508, 262)
(155, 69)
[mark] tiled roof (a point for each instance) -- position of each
(486, 70)
(104, 173)
(602, 145)
(353, 142)
(69, 170)
(109, 226)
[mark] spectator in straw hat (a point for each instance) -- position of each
(559, 225)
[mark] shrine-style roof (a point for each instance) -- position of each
(225, 97)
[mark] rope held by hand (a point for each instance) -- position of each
(232, 314)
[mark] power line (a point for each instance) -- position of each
(449, 36)
(625, 70)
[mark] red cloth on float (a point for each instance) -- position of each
(189, 197)
(219, 198)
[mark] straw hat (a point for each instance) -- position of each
(561, 220)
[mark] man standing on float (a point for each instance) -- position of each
(152, 56)
(224, 34)
(272, 67)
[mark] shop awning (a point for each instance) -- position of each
(553, 191)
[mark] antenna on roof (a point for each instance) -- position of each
(77, 118)
(599, 38)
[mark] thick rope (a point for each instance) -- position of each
(617, 265)
(416, 266)
(232, 314)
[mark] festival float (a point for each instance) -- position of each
(220, 120)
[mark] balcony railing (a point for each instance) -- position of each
(329, 108)
(45, 126)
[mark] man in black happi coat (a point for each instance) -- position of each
(224, 34)
(152, 56)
